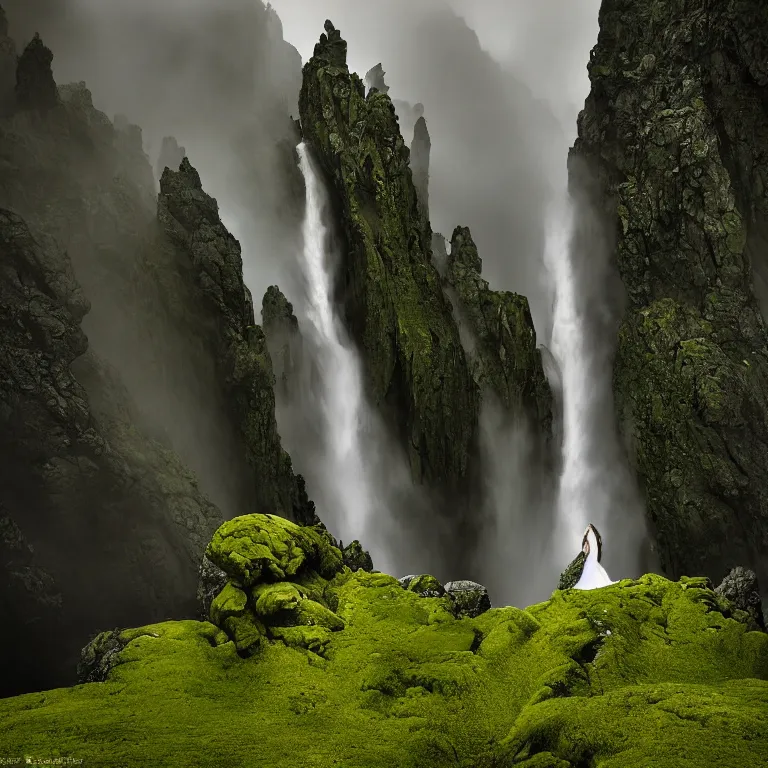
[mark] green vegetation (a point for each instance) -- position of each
(306, 663)
(414, 360)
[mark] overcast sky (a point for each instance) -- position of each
(502, 82)
(545, 42)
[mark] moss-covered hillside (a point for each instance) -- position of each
(675, 130)
(305, 663)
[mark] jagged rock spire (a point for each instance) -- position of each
(35, 86)
(374, 78)
(331, 49)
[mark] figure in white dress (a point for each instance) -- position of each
(585, 572)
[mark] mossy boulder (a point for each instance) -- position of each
(644, 672)
(255, 548)
(276, 578)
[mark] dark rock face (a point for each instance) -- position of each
(504, 356)
(35, 86)
(415, 366)
(674, 139)
(741, 588)
(191, 220)
(98, 435)
(74, 470)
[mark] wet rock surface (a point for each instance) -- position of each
(416, 369)
(673, 148)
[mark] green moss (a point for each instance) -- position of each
(640, 673)
(272, 598)
(504, 357)
(426, 583)
(413, 356)
(255, 547)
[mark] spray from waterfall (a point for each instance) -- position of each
(568, 347)
(596, 485)
(348, 495)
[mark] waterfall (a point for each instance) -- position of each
(596, 485)
(347, 489)
(568, 347)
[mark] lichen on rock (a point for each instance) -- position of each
(414, 364)
(674, 140)
(504, 355)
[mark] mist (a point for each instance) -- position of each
(216, 76)
(501, 84)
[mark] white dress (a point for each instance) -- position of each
(594, 575)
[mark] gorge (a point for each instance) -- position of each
(246, 495)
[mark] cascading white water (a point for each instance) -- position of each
(596, 485)
(577, 481)
(347, 489)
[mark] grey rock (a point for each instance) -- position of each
(212, 580)
(100, 656)
(470, 599)
(740, 587)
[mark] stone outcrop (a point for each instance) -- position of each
(35, 86)
(415, 367)
(281, 328)
(191, 220)
(504, 356)
(374, 78)
(741, 588)
(673, 148)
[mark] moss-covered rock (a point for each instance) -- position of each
(253, 548)
(355, 557)
(414, 363)
(191, 220)
(675, 133)
(504, 355)
(642, 672)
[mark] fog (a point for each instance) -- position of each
(216, 76)
(501, 83)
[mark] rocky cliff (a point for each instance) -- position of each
(131, 367)
(505, 358)
(413, 356)
(674, 140)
